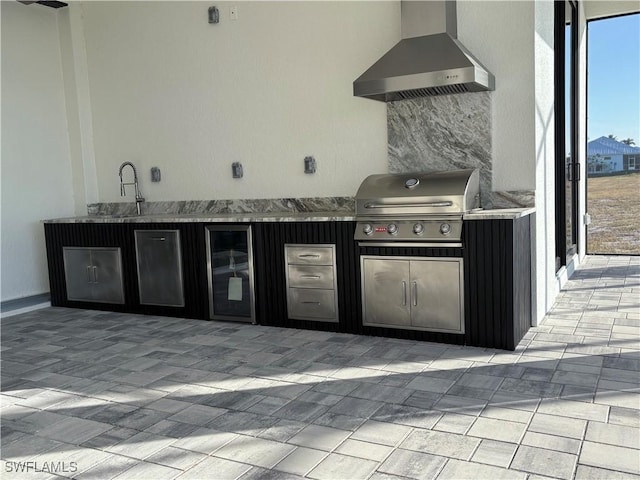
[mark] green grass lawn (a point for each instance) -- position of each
(614, 206)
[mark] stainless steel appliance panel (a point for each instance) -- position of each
(311, 276)
(385, 292)
(311, 304)
(418, 194)
(78, 274)
(107, 275)
(436, 295)
(311, 282)
(159, 260)
(415, 293)
(94, 274)
(309, 255)
(445, 229)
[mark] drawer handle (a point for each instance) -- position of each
(309, 276)
(311, 303)
(309, 255)
(160, 239)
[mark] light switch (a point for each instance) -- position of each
(155, 174)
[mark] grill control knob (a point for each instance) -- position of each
(367, 229)
(445, 229)
(418, 228)
(392, 228)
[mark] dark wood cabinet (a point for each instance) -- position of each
(271, 264)
(496, 257)
(122, 236)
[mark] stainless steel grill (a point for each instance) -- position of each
(416, 208)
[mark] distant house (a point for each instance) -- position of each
(606, 155)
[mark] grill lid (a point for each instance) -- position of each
(418, 194)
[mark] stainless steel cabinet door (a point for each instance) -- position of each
(78, 274)
(159, 260)
(106, 265)
(436, 295)
(386, 292)
(93, 274)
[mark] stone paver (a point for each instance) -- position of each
(131, 396)
(610, 457)
(544, 462)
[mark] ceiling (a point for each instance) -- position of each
(595, 9)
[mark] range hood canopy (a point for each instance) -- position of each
(428, 61)
(46, 3)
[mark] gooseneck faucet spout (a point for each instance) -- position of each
(139, 198)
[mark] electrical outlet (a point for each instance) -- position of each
(233, 12)
(310, 165)
(214, 15)
(236, 170)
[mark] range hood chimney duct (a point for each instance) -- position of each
(428, 61)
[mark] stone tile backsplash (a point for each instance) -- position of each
(269, 205)
(448, 132)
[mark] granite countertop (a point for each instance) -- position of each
(212, 217)
(499, 214)
(249, 217)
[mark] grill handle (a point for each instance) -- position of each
(408, 205)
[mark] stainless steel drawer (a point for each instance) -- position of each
(310, 276)
(309, 255)
(312, 304)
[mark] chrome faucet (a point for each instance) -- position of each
(139, 198)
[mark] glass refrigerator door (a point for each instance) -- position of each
(230, 271)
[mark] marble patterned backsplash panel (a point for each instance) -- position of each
(512, 199)
(447, 132)
(269, 205)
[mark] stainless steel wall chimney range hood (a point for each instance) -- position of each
(428, 61)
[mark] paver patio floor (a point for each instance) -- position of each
(88, 394)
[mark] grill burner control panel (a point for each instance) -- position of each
(410, 230)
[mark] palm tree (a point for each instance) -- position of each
(612, 137)
(628, 141)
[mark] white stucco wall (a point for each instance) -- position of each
(501, 35)
(155, 84)
(515, 41)
(36, 172)
(78, 104)
(546, 285)
(168, 89)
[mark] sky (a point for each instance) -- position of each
(613, 78)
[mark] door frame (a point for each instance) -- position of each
(564, 250)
